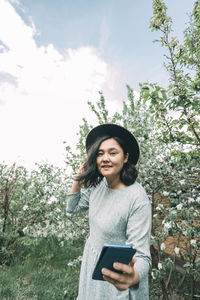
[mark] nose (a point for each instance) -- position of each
(105, 157)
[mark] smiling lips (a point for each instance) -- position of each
(106, 166)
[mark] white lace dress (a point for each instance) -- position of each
(121, 216)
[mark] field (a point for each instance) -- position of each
(44, 270)
(42, 273)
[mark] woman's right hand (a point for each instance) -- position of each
(81, 170)
(76, 186)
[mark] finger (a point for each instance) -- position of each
(123, 267)
(81, 169)
(113, 281)
(117, 284)
(112, 275)
(132, 262)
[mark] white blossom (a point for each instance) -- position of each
(25, 207)
(165, 193)
(159, 207)
(141, 139)
(52, 200)
(47, 189)
(182, 181)
(159, 266)
(47, 223)
(167, 225)
(179, 206)
(79, 258)
(162, 246)
(190, 200)
(193, 242)
(70, 235)
(25, 229)
(152, 275)
(176, 250)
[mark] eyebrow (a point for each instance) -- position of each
(109, 149)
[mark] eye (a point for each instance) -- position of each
(113, 153)
(99, 154)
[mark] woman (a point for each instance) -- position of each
(119, 213)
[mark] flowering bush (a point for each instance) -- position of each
(33, 204)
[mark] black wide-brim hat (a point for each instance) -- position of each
(113, 130)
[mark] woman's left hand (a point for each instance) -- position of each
(129, 277)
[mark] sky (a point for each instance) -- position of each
(56, 55)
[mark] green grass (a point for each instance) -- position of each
(38, 269)
(43, 272)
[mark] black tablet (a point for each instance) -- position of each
(111, 253)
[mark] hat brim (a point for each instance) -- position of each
(113, 130)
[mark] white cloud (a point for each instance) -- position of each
(49, 96)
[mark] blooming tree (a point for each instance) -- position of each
(33, 205)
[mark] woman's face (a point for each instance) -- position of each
(110, 158)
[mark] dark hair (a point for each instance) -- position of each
(91, 176)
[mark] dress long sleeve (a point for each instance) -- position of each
(138, 234)
(78, 202)
(121, 216)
